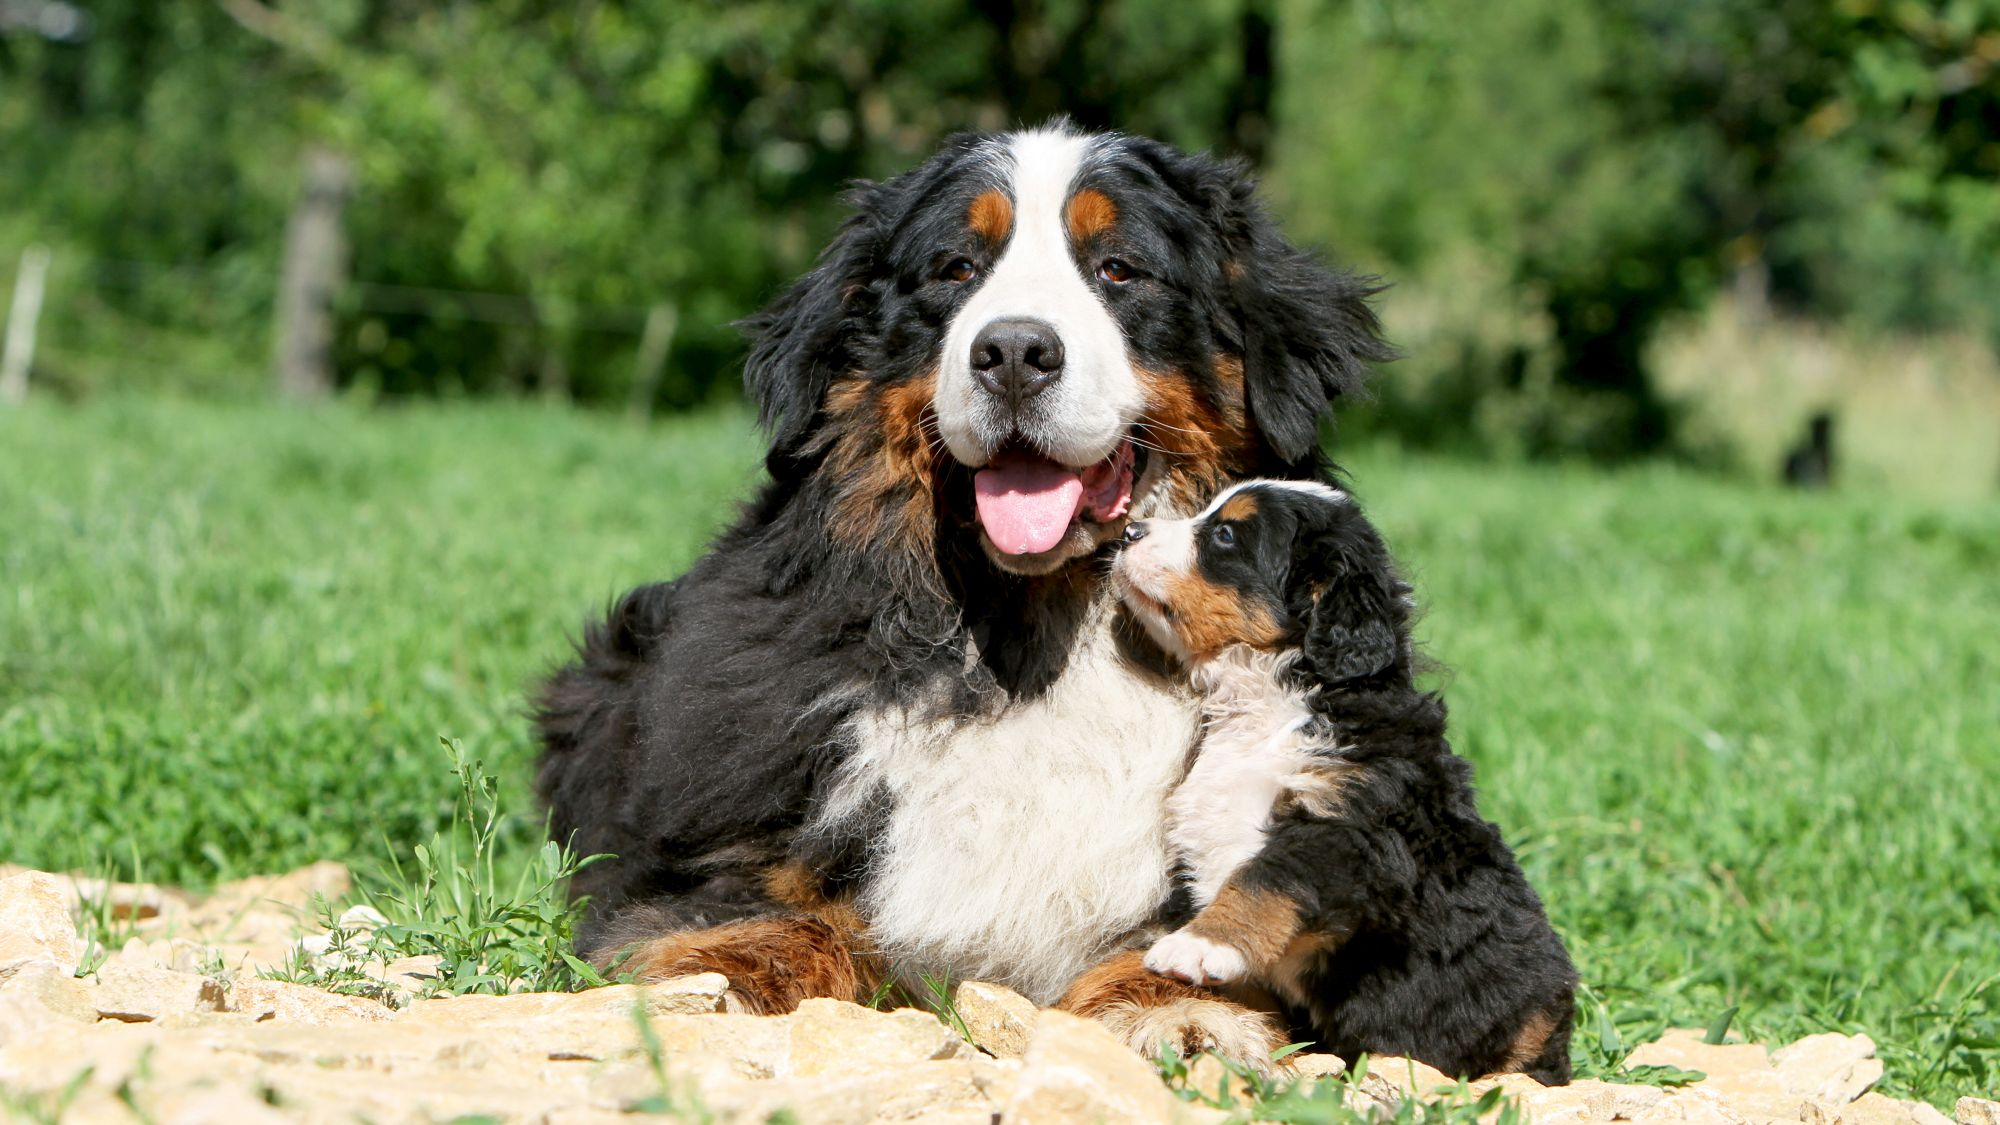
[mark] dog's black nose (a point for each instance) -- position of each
(1017, 359)
(1135, 531)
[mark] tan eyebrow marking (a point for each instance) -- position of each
(1241, 506)
(991, 216)
(1090, 212)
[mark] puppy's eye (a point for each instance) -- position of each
(1116, 271)
(1223, 536)
(959, 270)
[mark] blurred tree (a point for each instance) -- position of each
(535, 177)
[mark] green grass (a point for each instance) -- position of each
(1748, 743)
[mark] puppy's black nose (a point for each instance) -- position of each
(1135, 531)
(1015, 360)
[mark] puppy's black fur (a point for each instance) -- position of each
(1381, 909)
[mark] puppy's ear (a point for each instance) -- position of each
(812, 334)
(1354, 626)
(1309, 332)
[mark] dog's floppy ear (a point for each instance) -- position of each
(1309, 332)
(809, 336)
(1354, 626)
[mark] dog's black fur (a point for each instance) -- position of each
(1417, 933)
(698, 725)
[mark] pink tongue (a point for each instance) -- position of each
(1026, 504)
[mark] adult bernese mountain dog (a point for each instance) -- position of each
(1330, 836)
(895, 722)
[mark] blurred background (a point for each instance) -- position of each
(1614, 227)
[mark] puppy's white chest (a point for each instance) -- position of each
(1251, 754)
(1017, 846)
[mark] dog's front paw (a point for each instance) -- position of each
(1196, 959)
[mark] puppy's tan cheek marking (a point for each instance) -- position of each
(1259, 923)
(1210, 617)
(1090, 213)
(991, 216)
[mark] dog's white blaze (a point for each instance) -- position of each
(1251, 754)
(1081, 418)
(1021, 846)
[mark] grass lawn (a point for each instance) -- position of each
(1747, 743)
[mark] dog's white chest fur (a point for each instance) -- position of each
(1251, 754)
(1020, 845)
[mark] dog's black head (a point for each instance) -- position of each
(1271, 564)
(1035, 337)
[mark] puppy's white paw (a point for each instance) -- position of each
(1196, 959)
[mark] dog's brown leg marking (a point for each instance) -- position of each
(772, 963)
(819, 948)
(1528, 1043)
(1145, 1010)
(797, 886)
(1260, 924)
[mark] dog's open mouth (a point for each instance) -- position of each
(1027, 502)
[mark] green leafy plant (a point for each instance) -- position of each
(1250, 1094)
(492, 933)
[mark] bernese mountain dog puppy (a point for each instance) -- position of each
(1327, 832)
(895, 723)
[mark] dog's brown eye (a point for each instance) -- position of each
(1224, 536)
(960, 270)
(1116, 271)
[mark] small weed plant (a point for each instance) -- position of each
(1246, 1094)
(493, 930)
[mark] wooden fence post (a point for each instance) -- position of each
(315, 265)
(19, 353)
(658, 340)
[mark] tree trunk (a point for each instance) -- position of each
(653, 348)
(315, 267)
(19, 354)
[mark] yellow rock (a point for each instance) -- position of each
(139, 993)
(692, 995)
(1831, 1067)
(998, 1019)
(1076, 1071)
(284, 1002)
(1394, 1078)
(836, 1037)
(35, 922)
(1978, 1111)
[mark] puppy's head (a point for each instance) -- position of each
(1271, 564)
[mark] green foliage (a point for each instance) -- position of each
(1248, 1094)
(1742, 741)
(576, 165)
(492, 935)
